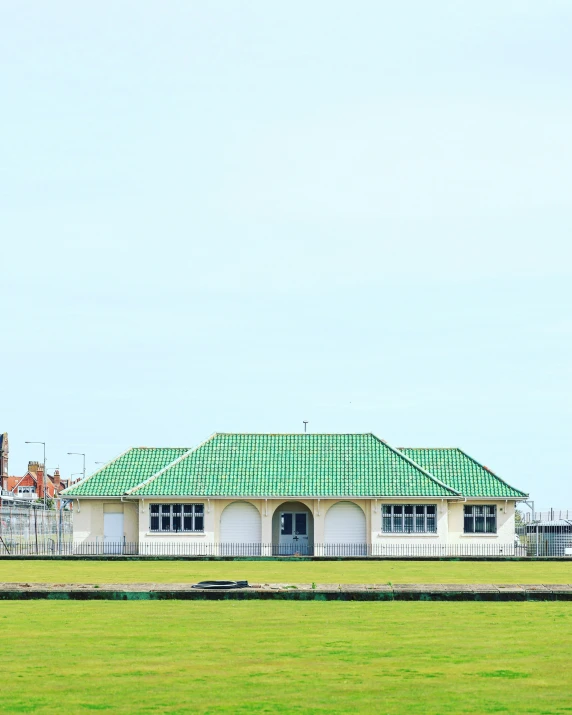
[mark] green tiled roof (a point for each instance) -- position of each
(126, 471)
(310, 465)
(461, 472)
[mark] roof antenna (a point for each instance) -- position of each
(305, 425)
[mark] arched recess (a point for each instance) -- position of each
(292, 529)
(240, 530)
(345, 532)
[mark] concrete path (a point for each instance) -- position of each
(289, 591)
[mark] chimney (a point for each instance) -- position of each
(57, 482)
(39, 470)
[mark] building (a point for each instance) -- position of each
(30, 487)
(4, 453)
(321, 494)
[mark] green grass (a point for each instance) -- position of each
(288, 571)
(286, 657)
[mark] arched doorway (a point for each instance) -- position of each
(240, 530)
(345, 532)
(292, 530)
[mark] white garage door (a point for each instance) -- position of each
(345, 531)
(240, 530)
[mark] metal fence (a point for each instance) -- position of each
(547, 515)
(546, 538)
(33, 530)
(530, 544)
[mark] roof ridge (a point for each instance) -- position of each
(168, 466)
(490, 471)
(472, 459)
(418, 466)
(430, 448)
(145, 447)
(296, 434)
(81, 482)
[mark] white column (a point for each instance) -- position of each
(319, 528)
(375, 514)
(266, 510)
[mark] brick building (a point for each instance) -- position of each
(31, 485)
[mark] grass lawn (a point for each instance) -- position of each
(288, 571)
(286, 657)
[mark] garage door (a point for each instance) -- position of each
(240, 530)
(345, 531)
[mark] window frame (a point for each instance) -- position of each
(486, 512)
(404, 518)
(169, 515)
(292, 518)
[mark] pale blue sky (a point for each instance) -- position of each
(235, 216)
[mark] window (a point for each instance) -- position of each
(481, 519)
(177, 517)
(409, 518)
(301, 524)
(26, 490)
(293, 524)
(286, 525)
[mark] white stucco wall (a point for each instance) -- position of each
(130, 521)
(382, 543)
(200, 538)
(505, 523)
(88, 521)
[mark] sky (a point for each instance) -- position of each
(236, 216)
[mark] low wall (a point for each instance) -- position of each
(289, 592)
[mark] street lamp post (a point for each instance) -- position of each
(80, 454)
(45, 473)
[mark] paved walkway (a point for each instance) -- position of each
(290, 591)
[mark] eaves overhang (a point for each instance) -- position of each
(453, 497)
(136, 497)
